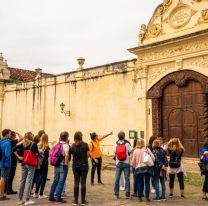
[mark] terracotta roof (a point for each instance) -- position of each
(25, 75)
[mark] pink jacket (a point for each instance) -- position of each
(138, 157)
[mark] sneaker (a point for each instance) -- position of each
(157, 199)
(64, 196)
(171, 195)
(61, 201)
(122, 188)
(35, 195)
(128, 197)
(11, 192)
(116, 196)
(204, 198)
(21, 202)
(42, 197)
(153, 191)
(75, 202)
(182, 196)
(84, 202)
(52, 200)
(30, 202)
(163, 198)
(4, 198)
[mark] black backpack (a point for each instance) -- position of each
(175, 159)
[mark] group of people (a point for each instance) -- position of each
(150, 165)
(34, 154)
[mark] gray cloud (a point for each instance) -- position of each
(52, 34)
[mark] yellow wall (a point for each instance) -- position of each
(111, 101)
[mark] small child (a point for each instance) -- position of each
(160, 168)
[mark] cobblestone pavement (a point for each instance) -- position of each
(103, 195)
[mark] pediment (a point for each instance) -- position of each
(175, 18)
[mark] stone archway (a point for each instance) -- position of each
(180, 108)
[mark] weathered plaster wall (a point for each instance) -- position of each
(100, 99)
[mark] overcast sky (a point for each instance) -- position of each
(52, 34)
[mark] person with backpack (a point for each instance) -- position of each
(160, 169)
(96, 155)
(59, 158)
(5, 161)
(42, 169)
(122, 151)
(27, 152)
(204, 160)
(14, 141)
(80, 153)
(143, 162)
(175, 150)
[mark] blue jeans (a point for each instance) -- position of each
(141, 178)
(119, 168)
(61, 172)
(157, 187)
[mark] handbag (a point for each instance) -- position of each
(148, 159)
(30, 158)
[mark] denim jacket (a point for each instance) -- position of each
(6, 153)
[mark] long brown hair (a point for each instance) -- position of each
(43, 144)
(28, 139)
(178, 145)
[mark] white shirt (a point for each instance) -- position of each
(65, 148)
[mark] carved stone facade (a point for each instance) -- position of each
(171, 17)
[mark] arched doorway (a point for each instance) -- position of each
(180, 109)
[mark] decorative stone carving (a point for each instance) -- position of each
(140, 71)
(154, 30)
(201, 61)
(158, 70)
(204, 17)
(4, 71)
(176, 50)
(180, 15)
(142, 33)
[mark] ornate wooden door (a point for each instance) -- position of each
(182, 115)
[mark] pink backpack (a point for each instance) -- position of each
(56, 156)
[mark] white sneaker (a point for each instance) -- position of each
(30, 202)
(122, 188)
(35, 195)
(42, 197)
(21, 202)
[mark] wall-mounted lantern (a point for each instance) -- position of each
(62, 106)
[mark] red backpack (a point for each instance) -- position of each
(121, 151)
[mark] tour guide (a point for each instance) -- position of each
(95, 154)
